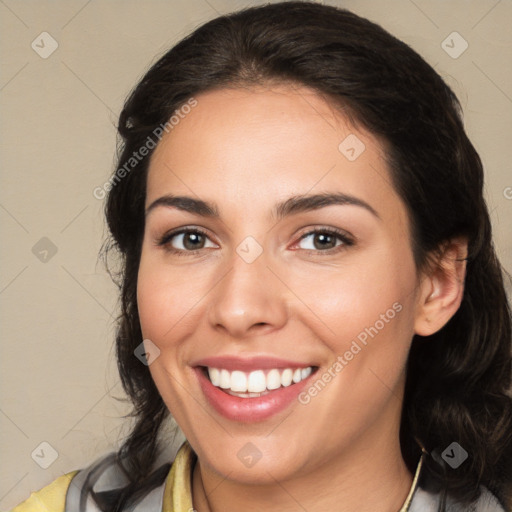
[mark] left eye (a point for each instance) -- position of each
(324, 240)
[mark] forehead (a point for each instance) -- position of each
(255, 146)
(234, 123)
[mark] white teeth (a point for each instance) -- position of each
(225, 379)
(305, 372)
(273, 379)
(286, 377)
(238, 381)
(256, 382)
(214, 374)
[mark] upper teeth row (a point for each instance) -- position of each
(256, 381)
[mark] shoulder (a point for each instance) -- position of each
(52, 497)
(425, 501)
(431, 495)
(100, 485)
(488, 502)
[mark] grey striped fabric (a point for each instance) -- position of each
(92, 490)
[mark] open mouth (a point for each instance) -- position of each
(256, 383)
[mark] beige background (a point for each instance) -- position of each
(58, 375)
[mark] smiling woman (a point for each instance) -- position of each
(308, 267)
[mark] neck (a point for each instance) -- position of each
(369, 477)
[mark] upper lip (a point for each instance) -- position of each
(232, 363)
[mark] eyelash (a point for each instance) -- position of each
(165, 240)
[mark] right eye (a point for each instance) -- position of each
(192, 240)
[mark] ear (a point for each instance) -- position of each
(441, 288)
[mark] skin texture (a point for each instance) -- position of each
(245, 150)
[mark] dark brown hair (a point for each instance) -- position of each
(458, 379)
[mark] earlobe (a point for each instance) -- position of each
(442, 289)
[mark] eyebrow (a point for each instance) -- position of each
(291, 206)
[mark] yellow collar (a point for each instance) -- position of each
(178, 491)
(412, 490)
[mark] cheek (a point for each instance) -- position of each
(377, 320)
(154, 304)
(167, 300)
(370, 320)
(164, 318)
(363, 298)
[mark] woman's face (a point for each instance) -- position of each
(275, 286)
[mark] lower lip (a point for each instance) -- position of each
(249, 410)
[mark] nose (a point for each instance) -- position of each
(249, 299)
